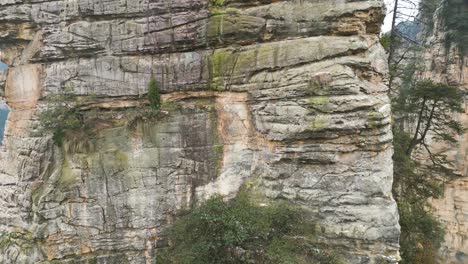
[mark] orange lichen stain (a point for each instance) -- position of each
(52, 245)
(85, 248)
(153, 234)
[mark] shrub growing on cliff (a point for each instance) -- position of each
(239, 231)
(61, 117)
(154, 96)
(69, 115)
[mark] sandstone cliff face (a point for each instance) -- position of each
(444, 62)
(287, 94)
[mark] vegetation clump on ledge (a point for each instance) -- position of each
(62, 116)
(65, 117)
(240, 231)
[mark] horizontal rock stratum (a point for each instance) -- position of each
(290, 95)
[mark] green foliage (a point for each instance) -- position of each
(385, 41)
(64, 116)
(427, 9)
(430, 106)
(455, 14)
(403, 64)
(239, 231)
(22, 239)
(421, 233)
(61, 117)
(154, 95)
(6, 240)
(424, 113)
(409, 183)
(218, 3)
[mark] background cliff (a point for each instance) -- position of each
(288, 94)
(446, 60)
(431, 49)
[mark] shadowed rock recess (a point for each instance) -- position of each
(289, 94)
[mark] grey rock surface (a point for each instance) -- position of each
(289, 94)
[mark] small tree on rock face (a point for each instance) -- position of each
(431, 105)
(154, 96)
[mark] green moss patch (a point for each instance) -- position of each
(67, 178)
(24, 239)
(319, 123)
(320, 103)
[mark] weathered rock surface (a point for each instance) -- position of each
(3, 75)
(444, 62)
(289, 94)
